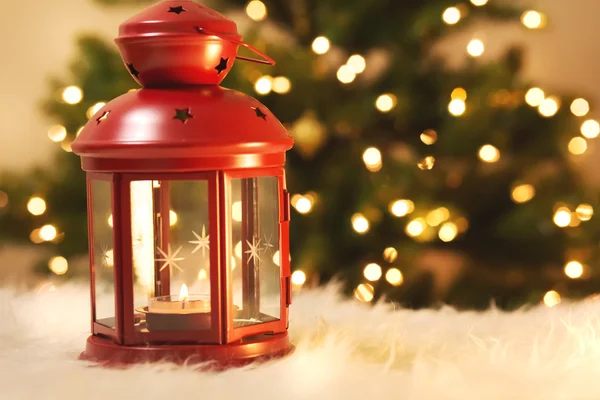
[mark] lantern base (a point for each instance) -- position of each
(259, 348)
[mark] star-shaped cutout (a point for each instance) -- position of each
(133, 71)
(259, 113)
(183, 115)
(222, 65)
(170, 259)
(107, 256)
(268, 243)
(177, 10)
(103, 117)
(254, 250)
(202, 242)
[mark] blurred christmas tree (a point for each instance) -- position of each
(413, 180)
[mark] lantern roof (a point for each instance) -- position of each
(196, 122)
(176, 18)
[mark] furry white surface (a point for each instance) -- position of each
(345, 350)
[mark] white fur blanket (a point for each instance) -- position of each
(345, 350)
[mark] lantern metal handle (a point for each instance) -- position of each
(267, 60)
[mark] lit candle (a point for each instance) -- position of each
(179, 313)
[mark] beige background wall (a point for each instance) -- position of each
(37, 39)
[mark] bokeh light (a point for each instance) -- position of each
(360, 223)
(534, 97)
(357, 63)
(489, 153)
(532, 19)
(36, 206)
(386, 102)
(551, 298)
(390, 254)
(57, 133)
(451, 15)
(577, 145)
(58, 265)
(429, 137)
(282, 85)
(72, 95)
(264, 85)
(457, 107)
(298, 277)
(523, 193)
(256, 10)
(590, 129)
(372, 272)
(549, 107)
(448, 232)
(415, 227)
(580, 107)
(346, 74)
(394, 277)
(321, 45)
(584, 212)
(400, 208)
(475, 48)
(562, 217)
(574, 269)
(364, 292)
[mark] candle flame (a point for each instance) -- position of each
(183, 293)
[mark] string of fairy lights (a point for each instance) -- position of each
(421, 225)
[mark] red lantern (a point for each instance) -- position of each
(187, 205)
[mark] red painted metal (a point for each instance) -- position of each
(258, 348)
(183, 126)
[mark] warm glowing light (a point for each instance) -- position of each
(534, 97)
(590, 129)
(522, 193)
(562, 217)
(155, 184)
(479, 3)
(346, 74)
(390, 254)
(94, 109)
(264, 85)
(236, 211)
(427, 163)
(386, 102)
(400, 208)
(72, 95)
(580, 107)
(448, 232)
(584, 212)
(360, 223)
(364, 292)
(48, 233)
(415, 227)
(574, 269)
(36, 206)
(437, 216)
(238, 250)
(276, 258)
(551, 298)
(372, 159)
(142, 227)
(451, 15)
(298, 278)
(577, 146)
(110, 258)
(173, 218)
(457, 107)
(475, 48)
(303, 205)
(489, 153)
(184, 293)
(58, 265)
(57, 133)
(548, 107)
(282, 85)
(429, 137)
(357, 63)
(321, 45)
(256, 10)
(532, 19)
(459, 93)
(202, 275)
(372, 272)
(110, 221)
(394, 277)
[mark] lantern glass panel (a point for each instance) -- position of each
(255, 263)
(103, 252)
(171, 254)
